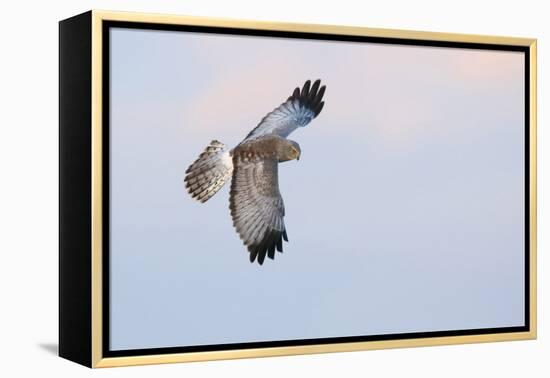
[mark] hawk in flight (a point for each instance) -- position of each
(255, 201)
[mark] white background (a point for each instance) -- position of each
(29, 173)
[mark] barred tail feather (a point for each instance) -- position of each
(209, 172)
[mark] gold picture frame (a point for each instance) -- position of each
(82, 289)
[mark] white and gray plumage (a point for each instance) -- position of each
(256, 205)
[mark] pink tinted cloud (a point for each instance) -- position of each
(393, 91)
(488, 67)
(233, 104)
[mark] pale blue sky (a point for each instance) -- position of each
(405, 212)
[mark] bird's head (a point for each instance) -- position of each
(290, 151)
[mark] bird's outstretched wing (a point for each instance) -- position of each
(298, 110)
(256, 205)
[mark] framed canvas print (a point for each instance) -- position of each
(236, 189)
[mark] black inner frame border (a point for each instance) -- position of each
(106, 25)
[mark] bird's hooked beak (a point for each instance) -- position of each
(298, 157)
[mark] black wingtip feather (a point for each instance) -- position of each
(320, 94)
(319, 108)
(314, 89)
(261, 255)
(305, 89)
(268, 244)
(253, 253)
(271, 250)
(280, 243)
(263, 248)
(311, 96)
(273, 241)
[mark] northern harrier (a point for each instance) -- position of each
(255, 202)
